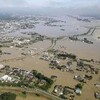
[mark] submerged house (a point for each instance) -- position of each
(68, 90)
(54, 62)
(78, 91)
(97, 95)
(1, 66)
(58, 90)
(97, 85)
(79, 78)
(6, 78)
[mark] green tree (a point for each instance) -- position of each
(80, 86)
(8, 96)
(0, 51)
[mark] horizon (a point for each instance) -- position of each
(51, 7)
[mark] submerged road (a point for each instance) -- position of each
(35, 90)
(47, 94)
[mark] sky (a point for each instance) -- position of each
(49, 3)
(84, 6)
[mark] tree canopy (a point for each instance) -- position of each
(8, 96)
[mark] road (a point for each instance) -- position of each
(35, 90)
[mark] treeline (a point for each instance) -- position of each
(49, 81)
(64, 56)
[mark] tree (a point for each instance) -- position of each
(24, 92)
(8, 96)
(80, 86)
(0, 51)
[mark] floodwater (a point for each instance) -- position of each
(82, 50)
(64, 26)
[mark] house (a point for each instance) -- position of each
(42, 82)
(94, 70)
(58, 90)
(68, 90)
(31, 52)
(69, 63)
(97, 85)
(17, 42)
(54, 62)
(45, 56)
(35, 80)
(97, 95)
(6, 78)
(78, 91)
(1, 66)
(79, 78)
(26, 41)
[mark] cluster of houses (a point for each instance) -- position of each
(17, 75)
(86, 68)
(66, 92)
(73, 66)
(11, 41)
(85, 40)
(8, 27)
(56, 64)
(83, 78)
(80, 78)
(15, 24)
(6, 78)
(46, 56)
(19, 42)
(71, 63)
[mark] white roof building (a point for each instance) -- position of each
(1, 66)
(78, 91)
(6, 78)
